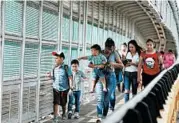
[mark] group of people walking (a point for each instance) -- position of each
(124, 69)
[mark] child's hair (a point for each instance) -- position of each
(109, 43)
(150, 40)
(96, 47)
(170, 51)
(124, 44)
(161, 52)
(75, 61)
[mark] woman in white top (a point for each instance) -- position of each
(131, 64)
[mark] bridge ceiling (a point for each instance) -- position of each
(136, 14)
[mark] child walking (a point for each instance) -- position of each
(99, 61)
(74, 98)
(62, 84)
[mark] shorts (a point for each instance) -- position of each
(146, 79)
(60, 97)
(98, 73)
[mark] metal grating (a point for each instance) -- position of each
(13, 17)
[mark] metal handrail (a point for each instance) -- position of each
(120, 113)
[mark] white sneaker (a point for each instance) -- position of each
(76, 116)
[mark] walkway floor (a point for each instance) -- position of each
(88, 112)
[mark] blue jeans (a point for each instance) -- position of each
(74, 99)
(119, 77)
(106, 99)
(130, 78)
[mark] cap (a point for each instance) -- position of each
(58, 53)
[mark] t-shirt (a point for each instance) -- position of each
(112, 58)
(151, 64)
(61, 82)
(135, 59)
(77, 80)
(97, 60)
(169, 60)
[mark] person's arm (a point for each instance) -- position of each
(70, 78)
(83, 76)
(83, 58)
(118, 63)
(161, 62)
(139, 69)
(70, 82)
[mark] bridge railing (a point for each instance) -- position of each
(145, 107)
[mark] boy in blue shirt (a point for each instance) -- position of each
(99, 61)
(62, 84)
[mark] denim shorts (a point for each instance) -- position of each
(98, 73)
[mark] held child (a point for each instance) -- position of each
(62, 82)
(75, 96)
(98, 60)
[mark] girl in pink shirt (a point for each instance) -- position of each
(169, 59)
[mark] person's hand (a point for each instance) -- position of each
(49, 74)
(70, 92)
(91, 65)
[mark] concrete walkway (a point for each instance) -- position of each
(88, 112)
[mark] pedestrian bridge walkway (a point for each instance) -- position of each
(30, 30)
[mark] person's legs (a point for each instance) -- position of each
(94, 80)
(134, 83)
(146, 79)
(63, 100)
(109, 98)
(112, 95)
(56, 102)
(100, 99)
(70, 104)
(77, 103)
(127, 86)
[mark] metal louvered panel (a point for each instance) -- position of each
(96, 9)
(10, 104)
(66, 4)
(13, 17)
(74, 53)
(32, 19)
(88, 33)
(90, 8)
(101, 11)
(31, 60)
(29, 99)
(47, 60)
(46, 97)
(75, 32)
(66, 52)
(110, 15)
(75, 6)
(65, 28)
(47, 64)
(49, 25)
(106, 15)
(12, 60)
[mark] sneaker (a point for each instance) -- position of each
(64, 117)
(70, 114)
(55, 119)
(98, 120)
(76, 116)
